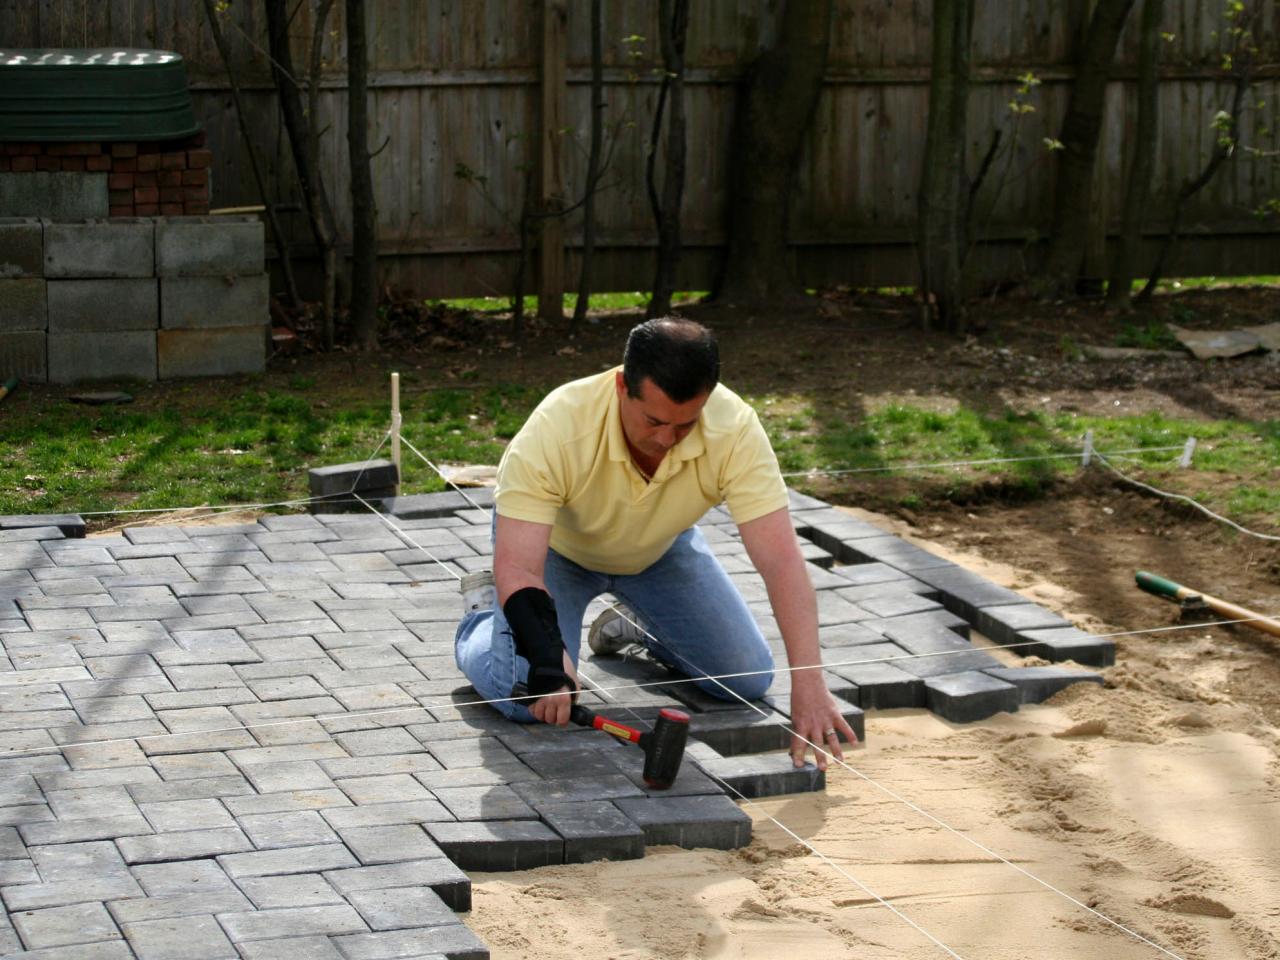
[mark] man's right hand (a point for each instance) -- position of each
(555, 708)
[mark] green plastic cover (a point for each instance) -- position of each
(88, 95)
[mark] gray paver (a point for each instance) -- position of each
(178, 905)
(298, 890)
(329, 920)
(541, 792)
(299, 828)
(178, 815)
(184, 845)
(398, 908)
(265, 863)
(386, 814)
(455, 941)
(278, 777)
(1068, 643)
(498, 844)
(34, 896)
(768, 775)
(965, 697)
(188, 876)
(492, 802)
(594, 830)
(388, 789)
(292, 948)
(440, 874)
(689, 822)
(196, 788)
(389, 844)
(179, 938)
(60, 926)
(1036, 684)
(78, 861)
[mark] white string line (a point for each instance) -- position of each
(236, 507)
(1185, 499)
(822, 471)
(604, 688)
(891, 793)
(441, 473)
(822, 856)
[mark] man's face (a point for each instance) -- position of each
(653, 423)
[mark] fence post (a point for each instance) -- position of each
(552, 120)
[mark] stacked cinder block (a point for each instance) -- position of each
(24, 315)
(103, 310)
(132, 297)
(142, 179)
(213, 296)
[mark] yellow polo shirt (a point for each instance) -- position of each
(569, 467)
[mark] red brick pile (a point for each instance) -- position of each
(144, 179)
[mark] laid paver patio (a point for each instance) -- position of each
(251, 741)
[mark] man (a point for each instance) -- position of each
(599, 493)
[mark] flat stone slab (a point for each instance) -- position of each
(71, 524)
(1037, 684)
(253, 739)
(966, 697)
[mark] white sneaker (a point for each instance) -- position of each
(613, 633)
(478, 591)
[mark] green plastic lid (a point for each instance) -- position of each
(88, 95)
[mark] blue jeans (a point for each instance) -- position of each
(698, 620)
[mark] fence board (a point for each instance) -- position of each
(456, 82)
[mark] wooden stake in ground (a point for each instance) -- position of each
(1161, 587)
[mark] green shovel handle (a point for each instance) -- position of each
(1160, 586)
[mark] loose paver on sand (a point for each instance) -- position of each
(251, 741)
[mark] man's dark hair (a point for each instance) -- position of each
(678, 355)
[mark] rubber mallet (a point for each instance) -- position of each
(663, 746)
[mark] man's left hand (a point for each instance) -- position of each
(816, 717)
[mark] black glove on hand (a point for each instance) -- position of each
(532, 616)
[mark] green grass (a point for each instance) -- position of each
(1210, 283)
(251, 446)
(884, 442)
(254, 445)
(597, 302)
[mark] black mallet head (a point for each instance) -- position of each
(663, 748)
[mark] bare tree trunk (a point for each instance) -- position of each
(1080, 132)
(593, 167)
(304, 139)
(1222, 152)
(944, 195)
(364, 239)
(1242, 58)
(282, 242)
(775, 111)
(526, 231)
(1138, 185)
(673, 16)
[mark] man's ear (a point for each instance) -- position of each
(620, 384)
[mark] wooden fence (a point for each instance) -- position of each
(462, 84)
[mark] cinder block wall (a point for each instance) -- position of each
(141, 297)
